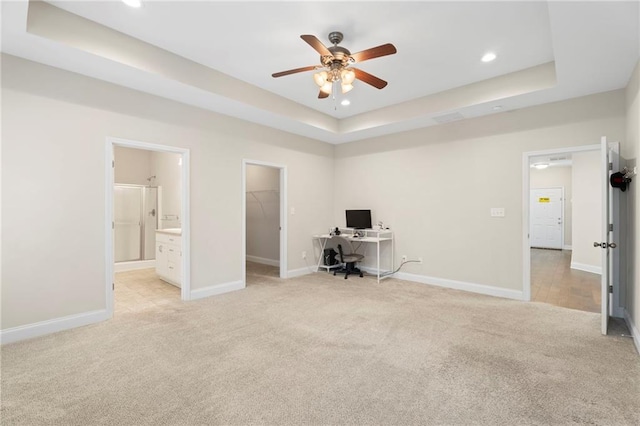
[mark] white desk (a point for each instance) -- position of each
(371, 236)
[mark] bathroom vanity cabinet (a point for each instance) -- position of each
(169, 255)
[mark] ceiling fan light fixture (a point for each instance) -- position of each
(320, 78)
(346, 87)
(347, 76)
(326, 87)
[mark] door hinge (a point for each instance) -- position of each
(113, 286)
(611, 289)
(113, 225)
(610, 166)
(611, 227)
(113, 163)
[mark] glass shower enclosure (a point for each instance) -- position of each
(136, 221)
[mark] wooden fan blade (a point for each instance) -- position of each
(316, 44)
(369, 79)
(374, 52)
(322, 95)
(283, 73)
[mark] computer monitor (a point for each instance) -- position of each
(359, 219)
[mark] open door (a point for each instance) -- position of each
(610, 161)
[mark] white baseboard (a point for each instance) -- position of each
(299, 272)
(586, 268)
(213, 290)
(132, 266)
(567, 247)
(635, 333)
(263, 260)
(41, 328)
(461, 285)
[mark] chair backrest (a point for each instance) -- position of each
(344, 247)
(340, 253)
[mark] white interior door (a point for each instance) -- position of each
(610, 162)
(546, 218)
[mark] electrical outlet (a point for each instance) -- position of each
(404, 257)
(420, 260)
(304, 254)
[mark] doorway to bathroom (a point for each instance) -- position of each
(147, 226)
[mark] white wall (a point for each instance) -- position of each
(554, 177)
(53, 210)
(630, 150)
(435, 187)
(263, 214)
(166, 167)
(587, 211)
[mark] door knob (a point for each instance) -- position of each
(605, 245)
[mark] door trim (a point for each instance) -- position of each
(526, 194)
(111, 142)
(283, 216)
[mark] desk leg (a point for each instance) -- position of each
(378, 258)
(323, 244)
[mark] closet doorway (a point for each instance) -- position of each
(264, 236)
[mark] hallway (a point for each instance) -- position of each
(554, 282)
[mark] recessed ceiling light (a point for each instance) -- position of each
(133, 3)
(488, 57)
(345, 102)
(540, 166)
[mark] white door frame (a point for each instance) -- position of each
(526, 195)
(111, 142)
(283, 215)
(561, 188)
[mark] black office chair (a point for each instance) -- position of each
(348, 260)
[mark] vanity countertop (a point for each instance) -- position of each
(171, 231)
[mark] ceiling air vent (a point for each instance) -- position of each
(448, 118)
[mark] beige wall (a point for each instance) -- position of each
(133, 166)
(166, 168)
(587, 210)
(555, 177)
(54, 151)
(435, 187)
(263, 213)
(630, 150)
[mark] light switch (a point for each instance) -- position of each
(497, 212)
(293, 210)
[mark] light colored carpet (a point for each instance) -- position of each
(324, 350)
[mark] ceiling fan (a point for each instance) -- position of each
(336, 64)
